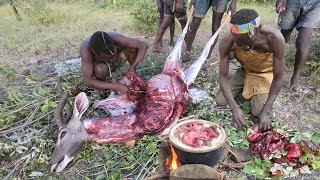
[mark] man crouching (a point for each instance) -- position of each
(104, 53)
(260, 51)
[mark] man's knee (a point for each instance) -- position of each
(101, 71)
(257, 104)
(302, 43)
(220, 99)
(195, 24)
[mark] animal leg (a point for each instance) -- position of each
(192, 72)
(116, 105)
(113, 129)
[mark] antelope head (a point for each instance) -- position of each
(72, 133)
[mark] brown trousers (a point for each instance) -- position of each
(236, 83)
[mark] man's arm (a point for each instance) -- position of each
(126, 42)
(277, 45)
(225, 47)
(178, 6)
(159, 6)
(87, 70)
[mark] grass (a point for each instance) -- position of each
(26, 152)
(71, 28)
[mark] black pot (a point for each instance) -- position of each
(204, 155)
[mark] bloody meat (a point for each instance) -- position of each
(195, 134)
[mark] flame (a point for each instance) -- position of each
(174, 162)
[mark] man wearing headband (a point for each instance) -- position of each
(260, 51)
(304, 15)
(201, 9)
(104, 53)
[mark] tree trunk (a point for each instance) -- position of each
(113, 1)
(15, 10)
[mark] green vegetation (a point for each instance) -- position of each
(52, 30)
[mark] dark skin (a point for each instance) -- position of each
(172, 25)
(94, 70)
(302, 46)
(267, 40)
(195, 24)
(167, 20)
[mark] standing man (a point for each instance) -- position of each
(260, 51)
(104, 53)
(201, 8)
(172, 8)
(160, 5)
(304, 15)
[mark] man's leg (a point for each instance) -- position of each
(236, 83)
(257, 103)
(286, 34)
(102, 71)
(161, 13)
(172, 27)
(190, 36)
(303, 47)
(160, 22)
(164, 25)
(216, 21)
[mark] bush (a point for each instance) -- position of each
(118, 4)
(38, 12)
(146, 16)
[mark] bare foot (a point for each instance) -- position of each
(160, 44)
(186, 57)
(294, 85)
(156, 49)
(171, 43)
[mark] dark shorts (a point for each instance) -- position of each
(202, 7)
(299, 14)
(168, 7)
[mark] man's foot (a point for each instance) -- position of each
(186, 57)
(157, 49)
(160, 44)
(171, 43)
(294, 85)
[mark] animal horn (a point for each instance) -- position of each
(62, 103)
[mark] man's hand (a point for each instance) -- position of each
(280, 5)
(130, 73)
(192, 3)
(179, 6)
(232, 7)
(121, 88)
(264, 123)
(238, 118)
(160, 9)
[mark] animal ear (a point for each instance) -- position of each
(81, 104)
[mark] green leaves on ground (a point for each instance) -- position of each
(258, 167)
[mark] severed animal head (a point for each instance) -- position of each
(72, 133)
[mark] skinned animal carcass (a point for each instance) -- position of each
(151, 107)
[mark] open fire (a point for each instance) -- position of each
(172, 162)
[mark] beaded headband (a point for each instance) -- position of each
(246, 28)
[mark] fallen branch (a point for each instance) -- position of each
(26, 124)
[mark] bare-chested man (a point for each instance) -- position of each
(104, 53)
(260, 51)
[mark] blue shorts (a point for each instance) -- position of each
(299, 14)
(168, 10)
(202, 7)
